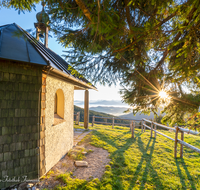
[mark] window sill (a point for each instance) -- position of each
(57, 120)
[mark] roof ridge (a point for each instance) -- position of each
(5, 25)
(40, 47)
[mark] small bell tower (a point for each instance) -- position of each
(42, 25)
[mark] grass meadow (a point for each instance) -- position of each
(140, 163)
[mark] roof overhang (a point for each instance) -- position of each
(78, 84)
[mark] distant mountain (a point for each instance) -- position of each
(95, 103)
(99, 114)
(114, 110)
(117, 111)
(137, 116)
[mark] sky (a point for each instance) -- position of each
(26, 21)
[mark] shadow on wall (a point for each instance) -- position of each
(59, 103)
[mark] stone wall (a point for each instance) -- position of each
(19, 96)
(58, 138)
(42, 126)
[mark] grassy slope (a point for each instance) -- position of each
(143, 162)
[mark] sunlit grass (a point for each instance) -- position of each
(141, 163)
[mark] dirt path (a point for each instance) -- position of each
(97, 159)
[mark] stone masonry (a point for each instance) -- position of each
(42, 126)
(58, 138)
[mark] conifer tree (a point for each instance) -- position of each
(147, 46)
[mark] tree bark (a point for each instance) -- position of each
(85, 10)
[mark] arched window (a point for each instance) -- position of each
(59, 103)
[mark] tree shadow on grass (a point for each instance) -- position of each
(140, 172)
(113, 141)
(118, 155)
(180, 162)
(145, 158)
(119, 160)
(119, 163)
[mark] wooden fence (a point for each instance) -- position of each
(153, 128)
(113, 123)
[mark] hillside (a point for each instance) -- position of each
(91, 113)
(99, 114)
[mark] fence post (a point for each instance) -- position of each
(151, 129)
(93, 120)
(133, 129)
(155, 128)
(76, 120)
(130, 125)
(175, 143)
(144, 126)
(181, 150)
(113, 122)
(78, 117)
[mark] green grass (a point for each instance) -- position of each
(142, 162)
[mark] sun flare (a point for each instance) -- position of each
(163, 95)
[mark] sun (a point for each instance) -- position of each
(163, 95)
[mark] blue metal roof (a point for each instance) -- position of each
(15, 46)
(18, 45)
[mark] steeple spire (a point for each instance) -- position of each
(42, 24)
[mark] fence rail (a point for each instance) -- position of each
(177, 129)
(113, 123)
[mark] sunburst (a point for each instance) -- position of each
(163, 95)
